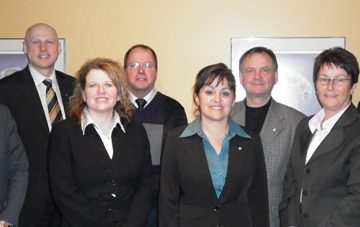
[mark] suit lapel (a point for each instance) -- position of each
(303, 142)
(238, 113)
(336, 135)
(236, 147)
(273, 124)
(64, 90)
(197, 159)
(31, 97)
(331, 141)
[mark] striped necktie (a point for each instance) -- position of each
(52, 103)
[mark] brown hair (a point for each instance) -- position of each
(207, 75)
(116, 73)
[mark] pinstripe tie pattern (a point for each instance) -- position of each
(52, 103)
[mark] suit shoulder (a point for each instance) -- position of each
(67, 124)
(134, 127)
(13, 78)
(64, 76)
(5, 116)
(290, 112)
(238, 106)
(176, 131)
(4, 109)
(170, 101)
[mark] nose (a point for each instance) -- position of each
(330, 85)
(42, 46)
(217, 96)
(257, 74)
(101, 89)
(141, 68)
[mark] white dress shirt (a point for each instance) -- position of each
(320, 129)
(148, 98)
(105, 138)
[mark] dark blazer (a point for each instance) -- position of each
(91, 189)
(330, 180)
(187, 195)
(13, 169)
(19, 93)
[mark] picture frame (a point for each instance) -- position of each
(295, 58)
(12, 57)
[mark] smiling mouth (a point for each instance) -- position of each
(44, 56)
(216, 107)
(101, 98)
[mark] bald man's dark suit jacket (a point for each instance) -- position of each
(19, 93)
(330, 179)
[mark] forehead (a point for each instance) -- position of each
(215, 83)
(140, 55)
(97, 74)
(332, 69)
(41, 31)
(258, 59)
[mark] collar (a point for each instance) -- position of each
(195, 128)
(86, 120)
(38, 78)
(317, 123)
(149, 97)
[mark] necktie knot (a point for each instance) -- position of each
(141, 103)
(48, 83)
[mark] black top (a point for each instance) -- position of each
(255, 117)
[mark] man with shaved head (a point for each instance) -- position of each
(37, 98)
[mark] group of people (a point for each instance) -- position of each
(107, 149)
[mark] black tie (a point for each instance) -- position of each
(141, 103)
(53, 105)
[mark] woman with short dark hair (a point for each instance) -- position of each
(322, 183)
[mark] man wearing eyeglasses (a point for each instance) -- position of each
(261, 114)
(156, 111)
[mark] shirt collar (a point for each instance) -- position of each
(317, 123)
(195, 128)
(86, 120)
(148, 98)
(38, 78)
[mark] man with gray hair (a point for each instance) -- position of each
(261, 114)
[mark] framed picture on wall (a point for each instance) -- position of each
(12, 57)
(295, 58)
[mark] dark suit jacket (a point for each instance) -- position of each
(13, 169)
(19, 93)
(187, 195)
(93, 190)
(330, 179)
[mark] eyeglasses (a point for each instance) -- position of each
(136, 66)
(339, 81)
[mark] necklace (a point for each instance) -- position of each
(216, 135)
